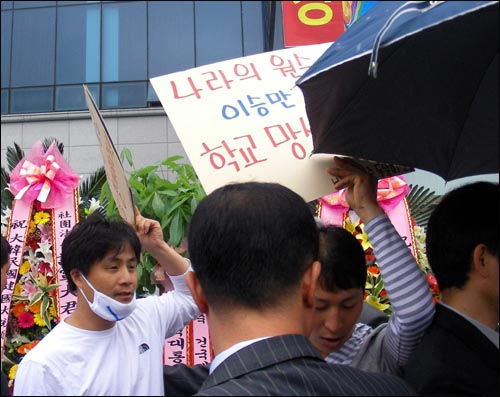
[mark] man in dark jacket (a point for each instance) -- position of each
(459, 352)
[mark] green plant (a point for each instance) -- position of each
(422, 202)
(172, 203)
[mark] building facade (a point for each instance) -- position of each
(50, 48)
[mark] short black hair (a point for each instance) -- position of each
(464, 217)
(343, 263)
(5, 251)
(91, 240)
(250, 243)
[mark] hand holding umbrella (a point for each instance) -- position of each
(361, 188)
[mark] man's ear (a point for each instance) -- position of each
(309, 282)
(197, 292)
(480, 260)
(76, 276)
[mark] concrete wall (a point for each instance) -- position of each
(147, 133)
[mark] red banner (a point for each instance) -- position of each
(311, 22)
(316, 22)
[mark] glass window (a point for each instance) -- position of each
(31, 100)
(152, 96)
(65, 3)
(33, 47)
(124, 41)
(6, 5)
(6, 35)
(78, 44)
(171, 37)
(5, 101)
(72, 97)
(126, 95)
(218, 31)
(253, 30)
(28, 4)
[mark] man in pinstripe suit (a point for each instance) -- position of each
(254, 249)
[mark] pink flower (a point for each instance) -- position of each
(30, 289)
(46, 233)
(26, 320)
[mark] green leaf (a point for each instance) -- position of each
(180, 200)
(127, 155)
(14, 156)
(45, 304)
(146, 170)
(158, 206)
(176, 230)
(421, 203)
(194, 204)
(91, 186)
(36, 298)
(51, 287)
(48, 141)
(44, 311)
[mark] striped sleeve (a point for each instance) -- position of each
(406, 286)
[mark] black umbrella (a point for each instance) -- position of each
(414, 84)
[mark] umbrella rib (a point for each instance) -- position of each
(372, 68)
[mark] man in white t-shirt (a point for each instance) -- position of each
(112, 344)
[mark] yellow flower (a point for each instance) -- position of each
(39, 320)
(349, 226)
(18, 289)
(41, 218)
(52, 311)
(25, 267)
(358, 230)
(375, 302)
(12, 372)
(31, 227)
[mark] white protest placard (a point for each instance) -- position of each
(115, 174)
(245, 120)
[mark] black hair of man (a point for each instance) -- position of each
(5, 251)
(91, 240)
(250, 244)
(343, 263)
(464, 217)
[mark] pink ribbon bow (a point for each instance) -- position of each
(390, 191)
(43, 176)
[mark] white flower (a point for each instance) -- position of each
(46, 250)
(94, 204)
(30, 256)
(18, 338)
(6, 216)
(420, 234)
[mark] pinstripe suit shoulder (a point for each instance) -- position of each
(289, 365)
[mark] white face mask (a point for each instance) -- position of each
(108, 308)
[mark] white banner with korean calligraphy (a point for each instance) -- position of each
(245, 120)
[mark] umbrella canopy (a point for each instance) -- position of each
(414, 84)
